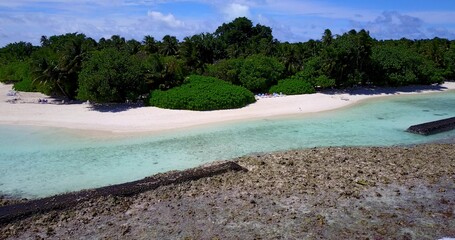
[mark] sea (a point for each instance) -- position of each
(40, 161)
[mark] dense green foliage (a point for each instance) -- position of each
(311, 75)
(15, 71)
(16, 52)
(163, 72)
(258, 73)
(240, 38)
(292, 86)
(238, 52)
(202, 94)
(111, 75)
(227, 70)
(401, 66)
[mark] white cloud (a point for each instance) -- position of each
(394, 25)
(235, 10)
(315, 9)
(439, 17)
(169, 20)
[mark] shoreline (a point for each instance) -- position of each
(114, 121)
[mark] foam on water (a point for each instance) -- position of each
(38, 162)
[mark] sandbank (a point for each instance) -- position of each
(25, 109)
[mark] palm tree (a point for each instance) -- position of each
(169, 46)
(44, 41)
(60, 69)
(150, 44)
(327, 38)
(47, 72)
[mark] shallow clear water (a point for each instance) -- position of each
(38, 162)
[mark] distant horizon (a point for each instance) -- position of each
(37, 43)
(290, 20)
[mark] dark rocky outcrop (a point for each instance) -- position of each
(433, 127)
(13, 212)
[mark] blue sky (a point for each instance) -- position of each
(290, 20)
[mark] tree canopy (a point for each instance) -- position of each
(111, 75)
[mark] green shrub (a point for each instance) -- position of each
(259, 73)
(15, 72)
(202, 94)
(401, 66)
(311, 75)
(19, 73)
(323, 82)
(292, 86)
(227, 70)
(26, 85)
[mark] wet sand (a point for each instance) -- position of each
(322, 193)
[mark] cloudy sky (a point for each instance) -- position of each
(291, 20)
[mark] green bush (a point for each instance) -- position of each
(15, 72)
(323, 82)
(202, 93)
(26, 85)
(292, 86)
(20, 74)
(227, 70)
(313, 76)
(259, 73)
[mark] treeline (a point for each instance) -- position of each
(243, 54)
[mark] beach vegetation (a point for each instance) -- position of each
(240, 38)
(292, 86)
(58, 62)
(15, 63)
(312, 75)
(163, 72)
(169, 46)
(111, 75)
(202, 93)
(449, 62)
(15, 71)
(18, 51)
(258, 73)
(346, 58)
(227, 70)
(396, 65)
(150, 45)
(200, 51)
(322, 81)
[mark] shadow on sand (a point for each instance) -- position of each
(115, 107)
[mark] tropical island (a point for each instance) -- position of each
(239, 53)
(239, 72)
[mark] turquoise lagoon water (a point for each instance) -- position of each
(37, 162)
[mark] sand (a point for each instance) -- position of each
(25, 109)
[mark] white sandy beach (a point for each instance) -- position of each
(27, 111)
